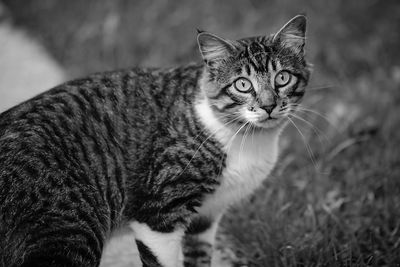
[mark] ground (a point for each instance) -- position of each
(334, 198)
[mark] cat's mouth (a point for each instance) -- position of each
(269, 122)
(269, 118)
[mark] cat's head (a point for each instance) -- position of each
(256, 80)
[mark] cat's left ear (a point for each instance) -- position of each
(214, 48)
(293, 34)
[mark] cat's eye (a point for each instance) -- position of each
(243, 85)
(282, 78)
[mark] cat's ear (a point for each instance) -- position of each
(214, 48)
(293, 34)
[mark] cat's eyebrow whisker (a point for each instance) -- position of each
(311, 154)
(316, 130)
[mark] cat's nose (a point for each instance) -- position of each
(269, 108)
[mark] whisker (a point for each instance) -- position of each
(317, 88)
(311, 154)
(208, 137)
(229, 144)
(254, 129)
(316, 130)
(233, 137)
(308, 109)
(243, 140)
(304, 109)
(218, 117)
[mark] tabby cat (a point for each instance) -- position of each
(163, 151)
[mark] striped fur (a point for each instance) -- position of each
(162, 150)
(82, 158)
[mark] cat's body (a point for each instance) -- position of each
(161, 150)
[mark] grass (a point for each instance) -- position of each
(335, 205)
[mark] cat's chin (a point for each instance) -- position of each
(270, 124)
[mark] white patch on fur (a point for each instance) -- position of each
(165, 246)
(208, 235)
(249, 160)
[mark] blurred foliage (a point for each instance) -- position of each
(334, 198)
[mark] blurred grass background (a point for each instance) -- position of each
(334, 198)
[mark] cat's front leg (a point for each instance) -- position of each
(198, 241)
(156, 248)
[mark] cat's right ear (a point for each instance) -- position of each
(292, 34)
(214, 48)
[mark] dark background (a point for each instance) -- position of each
(334, 198)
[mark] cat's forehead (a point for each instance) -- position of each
(255, 52)
(255, 45)
(259, 52)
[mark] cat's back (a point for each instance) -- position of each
(80, 131)
(75, 107)
(102, 96)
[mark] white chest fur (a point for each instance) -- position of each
(250, 159)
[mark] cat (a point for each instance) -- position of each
(165, 151)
